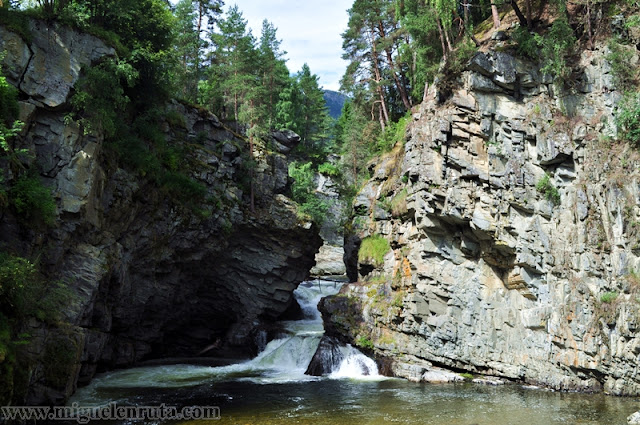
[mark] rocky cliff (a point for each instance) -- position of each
(510, 246)
(149, 277)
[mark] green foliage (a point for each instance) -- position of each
(459, 58)
(467, 376)
(59, 360)
(608, 297)
(394, 133)
(182, 187)
(16, 273)
(176, 119)
(628, 118)
(620, 58)
(9, 125)
(25, 293)
(100, 99)
(399, 204)
(546, 187)
(365, 343)
(301, 108)
(303, 191)
(32, 200)
(328, 169)
(8, 101)
(17, 22)
(555, 48)
(528, 46)
(373, 248)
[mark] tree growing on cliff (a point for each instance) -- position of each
(191, 42)
(234, 61)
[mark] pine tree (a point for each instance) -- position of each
(274, 73)
(187, 49)
(236, 60)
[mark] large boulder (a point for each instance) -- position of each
(59, 53)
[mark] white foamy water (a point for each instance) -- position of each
(283, 360)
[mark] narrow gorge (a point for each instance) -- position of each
(183, 223)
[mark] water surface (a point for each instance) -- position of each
(273, 389)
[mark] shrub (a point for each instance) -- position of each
(364, 342)
(373, 248)
(547, 188)
(608, 297)
(459, 58)
(527, 45)
(621, 60)
(16, 273)
(100, 99)
(394, 133)
(32, 200)
(555, 47)
(176, 119)
(16, 21)
(328, 169)
(8, 101)
(182, 187)
(59, 360)
(25, 293)
(628, 118)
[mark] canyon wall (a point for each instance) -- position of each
(149, 277)
(510, 235)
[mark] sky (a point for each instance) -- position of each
(310, 31)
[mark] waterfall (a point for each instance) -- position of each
(283, 360)
(354, 365)
(289, 357)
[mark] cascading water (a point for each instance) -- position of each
(283, 360)
(287, 358)
(273, 388)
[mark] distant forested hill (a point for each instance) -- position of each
(334, 101)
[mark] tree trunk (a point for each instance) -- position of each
(252, 202)
(378, 78)
(441, 33)
(446, 37)
(588, 25)
(529, 14)
(401, 89)
(466, 14)
(521, 18)
(495, 15)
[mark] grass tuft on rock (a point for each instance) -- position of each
(373, 249)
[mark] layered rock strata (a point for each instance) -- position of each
(516, 253)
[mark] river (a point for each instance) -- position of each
(273, 389)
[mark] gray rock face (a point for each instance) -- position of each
(634, 419)
(58, 55)
(485, 273)
(329, 260)
(150, 277)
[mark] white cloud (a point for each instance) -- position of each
(310, 32)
